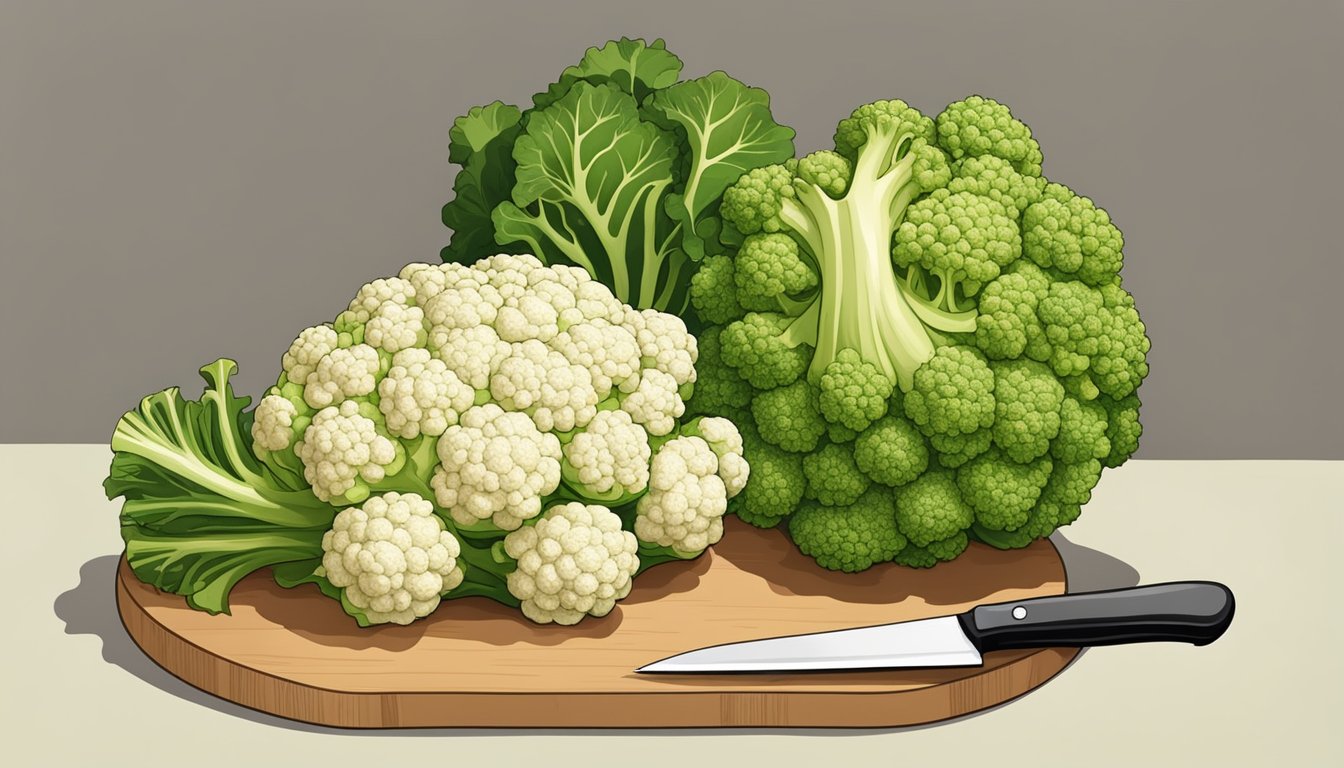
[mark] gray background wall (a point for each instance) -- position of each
(181, 181)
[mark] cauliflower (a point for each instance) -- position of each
(611, 456)
(392, 557)
(538, 380)
(495, 465)
(655, 403)
(686, 500)
(273, 422)
(308, 349)
(420, 395)
(492, 392)
(574, 561)
(341, 374)
(341, 447)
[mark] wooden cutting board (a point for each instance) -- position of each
(475, 663)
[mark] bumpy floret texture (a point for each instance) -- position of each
(849, 538)
(495, 465)
(953, 393)
(539, 381)
(726, 441)
(768, 270)
(854, 391)
(714, 290)
(775, 486)
(611, 455)
(790, 417)
(833, 477)
(1073, 236)
(341, 447)
(753, 347)
(1027, 408)
(656, 404)
(420, 395)
(892, 116)
(962, 235)
(931, 509)
(342, 374)
(574, 562)
(979, 126)
(754, 202)
(829, 171)
(686, 500)
(392, 556)
(273, 422)
(891, 452)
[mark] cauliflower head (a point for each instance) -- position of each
(575, 561)
(392, 556)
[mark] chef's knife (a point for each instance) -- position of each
(1184, 611)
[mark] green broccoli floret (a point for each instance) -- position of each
(979, 126)
(769, 272)
(790, 416)
(1073, 236)
(714, 291)
(1027, 403)
(891, 452)
(838, 433)
(829, 171)
(775, 484)
(931, 509)
(955, 450)
(718, 388)
(1007, 326)
(952, 394)
(1122, 428)
(1072, 483)
(884, 123)
(935, 553)
(1082, 432)
(1001, 490)
(758, 348)
(754, 203)
(1105, 343)
(854, 391)
(833, 479)
(849, 538)
(996, 178)
(960, 241)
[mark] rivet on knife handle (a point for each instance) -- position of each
(1184, 611)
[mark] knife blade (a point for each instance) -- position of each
(1196, 612)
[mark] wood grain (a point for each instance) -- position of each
(474, 663)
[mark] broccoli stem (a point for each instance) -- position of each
(862, 305)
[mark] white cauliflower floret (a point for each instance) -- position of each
(508, 273)
(656, 403)
(595, 301)
(686, 500)
(395, 327)
(392, 557)
(495, 465)
(343, 373)
(528, 317)
(312, 345)
(609, 352)
(371, 296)
(465, 305)
(664, 343)
(726, 442)
(420, 395)
(612, 453)
(471, 353)
(535, 378)
(429, 280)
(273, 423)
(575, 561)
(340, 447)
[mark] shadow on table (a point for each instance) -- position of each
(90, 609)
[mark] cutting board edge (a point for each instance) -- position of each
(274, 695)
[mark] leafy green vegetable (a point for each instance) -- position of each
(617, 167)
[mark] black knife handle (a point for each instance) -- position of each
(1181, 611)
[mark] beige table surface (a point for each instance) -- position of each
(77, 692)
